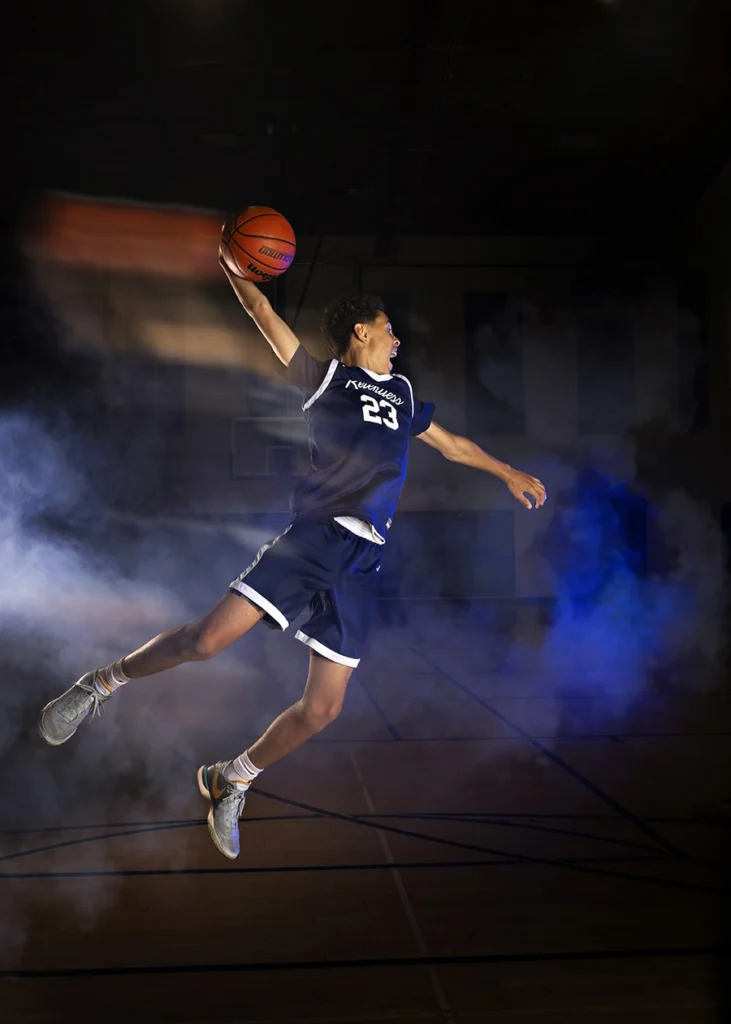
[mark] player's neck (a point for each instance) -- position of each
(361, 360)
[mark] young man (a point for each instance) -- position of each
(360, 417)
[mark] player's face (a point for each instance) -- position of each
(384, 341)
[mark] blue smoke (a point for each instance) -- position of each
(618, 621)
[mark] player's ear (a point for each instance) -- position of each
(361, 332)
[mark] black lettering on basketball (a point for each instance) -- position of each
(285, 257)
(259, 273)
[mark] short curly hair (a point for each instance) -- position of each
(342, 316)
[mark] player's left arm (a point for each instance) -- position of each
(461, 449)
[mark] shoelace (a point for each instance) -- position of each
(231, 807)
(97, 708)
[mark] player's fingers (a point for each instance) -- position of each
(518, 495)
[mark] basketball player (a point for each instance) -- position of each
(361, 417)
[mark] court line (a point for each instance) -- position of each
(366, 962)
(94, 839)
(455, 844)
(197, 823)
(484, 1016)
(517, 857)
(301, 868)
(437, 815)
(437, 988)
(578, 776)
(546, 861)
(392, 730)
(485, 737)
(368, 819)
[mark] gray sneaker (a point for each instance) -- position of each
(227, 803)
(62, 717)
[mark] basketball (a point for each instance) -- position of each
(258, 243)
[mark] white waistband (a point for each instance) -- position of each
(360, 527)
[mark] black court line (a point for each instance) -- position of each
(197, 823)
(284, 869)
(620, 809)
(475, 818)
(478, 820)
(368, 820)
(661, 699)
(437, 815)
(361, 962)
(455, 844)
(544, 861)
(391, 728)
(615, 736)
(95, 839)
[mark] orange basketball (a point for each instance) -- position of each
(258, 243)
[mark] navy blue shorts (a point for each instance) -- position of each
(322, 564)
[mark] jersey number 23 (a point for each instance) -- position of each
(372, 412)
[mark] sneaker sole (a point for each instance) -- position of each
(201, 785)
(211, 828)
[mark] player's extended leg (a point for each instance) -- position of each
(225, 784)
(230, 619)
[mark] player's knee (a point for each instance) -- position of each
(319, 713)
(200, 644)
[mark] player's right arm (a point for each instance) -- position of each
(283, 342)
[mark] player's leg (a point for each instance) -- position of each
(319, 705)
(229, 620)
(275, 587)
(336, 634)
(225, 784)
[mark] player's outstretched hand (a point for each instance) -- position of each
(520, 484)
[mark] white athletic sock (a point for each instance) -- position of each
(111, 678)
(241, 770)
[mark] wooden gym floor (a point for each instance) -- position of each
(466, 843)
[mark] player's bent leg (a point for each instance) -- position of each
(230, 619)
(225, 784)
(319, 705)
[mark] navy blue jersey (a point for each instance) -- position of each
(359, 425)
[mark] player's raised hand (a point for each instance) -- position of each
(520, 484)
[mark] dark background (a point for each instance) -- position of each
(571, 117)
(509, 175)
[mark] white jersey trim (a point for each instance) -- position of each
(361, 528)
(334, 363)
(411, 391)
(377, 376)
(340, 659)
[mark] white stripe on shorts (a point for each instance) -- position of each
(261, 602)
(253, 595)
(361, 528)
(325, 651)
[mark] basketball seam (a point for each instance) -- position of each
(256, 217)
(269, 238)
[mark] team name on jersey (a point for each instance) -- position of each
(389, 395)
